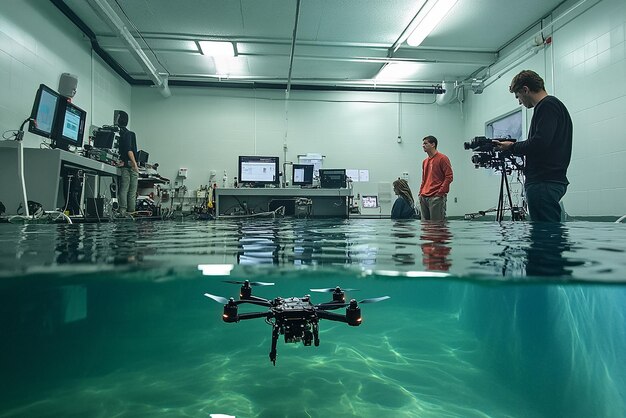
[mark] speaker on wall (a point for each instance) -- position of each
(67, 85)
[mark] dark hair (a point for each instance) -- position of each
(122, 119)
(431, 139)
(529, 79)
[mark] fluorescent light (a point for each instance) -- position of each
(431, 19)
(217, 48)
(394, 71)
(399, 71)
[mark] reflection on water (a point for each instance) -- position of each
(582, 251)
(435, 249)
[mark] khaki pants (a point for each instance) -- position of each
(433, 208)
(128, 190)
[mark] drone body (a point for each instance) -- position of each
(295, 318)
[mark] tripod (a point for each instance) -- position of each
(499, 163)
(517, 213)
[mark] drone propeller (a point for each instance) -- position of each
(333, 289)
(325, 306)
(249, 282)
(221, 299)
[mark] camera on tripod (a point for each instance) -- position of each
(486, 155)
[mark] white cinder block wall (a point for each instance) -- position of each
(205, 129)
(37, 45)
(586, 69)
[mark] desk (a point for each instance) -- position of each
(42, 170)
(326, 202)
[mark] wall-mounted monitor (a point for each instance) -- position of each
(142, 158)
(69, 126)
(302, 175)
(44, 111)
(258, 171)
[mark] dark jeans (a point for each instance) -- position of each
(543, 200)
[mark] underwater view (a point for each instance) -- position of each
(455, 319)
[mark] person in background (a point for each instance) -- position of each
(130, 171)
(404, 206)
(436, 179)
(548, 149)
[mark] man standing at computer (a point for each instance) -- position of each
(436, 179)
(129, 168)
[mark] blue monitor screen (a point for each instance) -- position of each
(302, 175)
(69, 125)
(44, 111)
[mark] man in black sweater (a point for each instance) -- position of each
(547, 150)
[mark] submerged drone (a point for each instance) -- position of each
(295, 318)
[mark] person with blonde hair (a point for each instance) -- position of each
(404, 206)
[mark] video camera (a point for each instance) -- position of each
(486, 155)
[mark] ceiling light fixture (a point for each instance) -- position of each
(217, 48)
(431, 18)
(394, 71)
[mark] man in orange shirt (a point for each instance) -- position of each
(436, 179)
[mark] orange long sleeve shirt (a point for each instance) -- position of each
(436, 176)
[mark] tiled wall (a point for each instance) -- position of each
(589, 76)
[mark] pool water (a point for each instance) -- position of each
(483, 320)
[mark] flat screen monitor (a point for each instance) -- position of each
(44, 110)
(369, 201)
(302, 175)
(258, 171)
(142, 158)
(69, 126)
(104, 139)
(332, 178)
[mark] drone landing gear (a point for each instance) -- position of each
(309, 335)
(275, 332)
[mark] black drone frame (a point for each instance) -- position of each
(295, 318)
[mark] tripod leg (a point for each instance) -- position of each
(500, 211)
(274, 340)
(508, 193)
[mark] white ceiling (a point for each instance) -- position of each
(338, 42)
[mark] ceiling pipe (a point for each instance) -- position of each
(533, 44)
(106, 12)
(293, 47)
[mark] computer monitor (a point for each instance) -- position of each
(142, 158)
(369, 201)
(258, 171)
(44, 110)
(69, 126)
(104, 138)
(302, 175)
(332, 178)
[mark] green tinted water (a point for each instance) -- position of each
(484, 320)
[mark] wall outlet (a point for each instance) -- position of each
(182, 173)
(405, 175)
